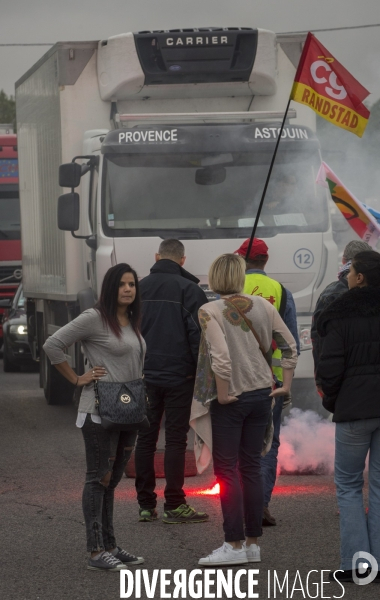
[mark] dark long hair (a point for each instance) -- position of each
(107, 304)
(368, 264)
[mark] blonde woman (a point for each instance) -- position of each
(236, 349)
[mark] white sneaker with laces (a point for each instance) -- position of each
(252, 552)
(225, 555)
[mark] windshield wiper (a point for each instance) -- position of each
(188, 234)
(163, 232)
(3, 233)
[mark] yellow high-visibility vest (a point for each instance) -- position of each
(257, 284)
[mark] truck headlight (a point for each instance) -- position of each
(304, 334)
(18, 329)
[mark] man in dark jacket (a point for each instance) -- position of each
(170, 302)
(331, 293)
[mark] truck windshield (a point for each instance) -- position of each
(9, 216)
(212, 195)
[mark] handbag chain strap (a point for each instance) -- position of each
(96, 393)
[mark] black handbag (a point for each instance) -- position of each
(122, 406)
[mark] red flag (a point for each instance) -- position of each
(322, 83)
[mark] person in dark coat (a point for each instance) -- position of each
(349, 374)
(171, 298)
(331, 292)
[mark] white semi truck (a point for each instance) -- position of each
(165, 134)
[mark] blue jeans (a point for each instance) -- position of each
(353, 440)
(269, 461)
(238, 431)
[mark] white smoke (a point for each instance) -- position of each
(307, 444)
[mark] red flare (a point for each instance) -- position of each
(214, 491)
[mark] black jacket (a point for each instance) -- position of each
(349, 366)
(329, 294)
(170, 302)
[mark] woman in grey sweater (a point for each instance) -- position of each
(111, 340)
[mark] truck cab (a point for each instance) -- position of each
(170, 134)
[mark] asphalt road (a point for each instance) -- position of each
(43, 536)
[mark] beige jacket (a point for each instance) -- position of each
(229, 349)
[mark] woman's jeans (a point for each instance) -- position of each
(353, 440)
(238, 431)
(107, 453)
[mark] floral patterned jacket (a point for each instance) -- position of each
(229, 349)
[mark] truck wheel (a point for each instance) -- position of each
(8, 365)
(40, 342)
(57, 389)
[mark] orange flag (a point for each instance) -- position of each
(322, 83)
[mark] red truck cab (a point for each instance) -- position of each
(10, 229)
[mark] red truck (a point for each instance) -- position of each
(10, 230)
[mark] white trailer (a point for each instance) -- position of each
(174, 131)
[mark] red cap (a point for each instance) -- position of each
(259, 248)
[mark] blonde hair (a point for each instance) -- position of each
(227, 274)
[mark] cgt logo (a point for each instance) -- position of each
(318, 69)
(367, 567)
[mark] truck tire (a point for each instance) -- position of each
(57, 389)
(8, 365)
(40, 342)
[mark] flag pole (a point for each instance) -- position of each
(267, 181)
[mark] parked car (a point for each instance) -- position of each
(16, 351)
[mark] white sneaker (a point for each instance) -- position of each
(252, 552)
(225, 555)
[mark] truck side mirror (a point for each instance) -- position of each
(210, 175)
(69, 175)
(5, 303)
(68, 211)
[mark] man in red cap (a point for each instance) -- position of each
(258, 283)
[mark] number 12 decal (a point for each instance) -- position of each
(303, 258)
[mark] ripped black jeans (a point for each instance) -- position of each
(107, 453)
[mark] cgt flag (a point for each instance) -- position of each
(356, 213)
(322, 83)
